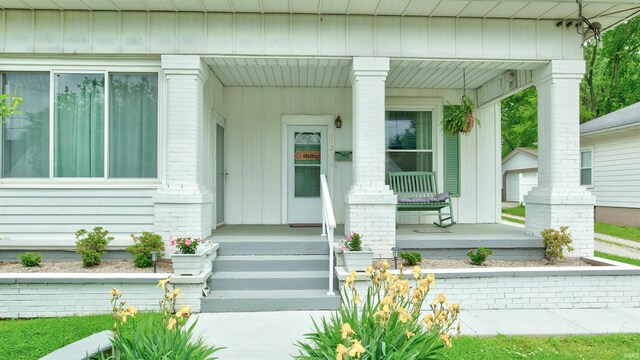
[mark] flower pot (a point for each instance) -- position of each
(191, 264)
(358, 260)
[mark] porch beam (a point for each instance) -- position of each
(559, 200)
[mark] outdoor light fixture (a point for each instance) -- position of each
(338, 122)
(154, 258)
(395, 257)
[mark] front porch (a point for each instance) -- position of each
(508, 242)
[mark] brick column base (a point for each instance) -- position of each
(182, 214)
(546, 209)
(373, 214)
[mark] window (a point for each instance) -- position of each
(25, 136)
(103, 125)
(409, 141)
(586, 167)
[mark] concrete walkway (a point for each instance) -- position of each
(271, 335)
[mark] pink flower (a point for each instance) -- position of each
(173, 242)
(351, 235)
(343, 247)
(187, 242)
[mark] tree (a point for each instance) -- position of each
(8, 106)
(610, 83)
(520, 120)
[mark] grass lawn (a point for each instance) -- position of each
(34, 338)
(624, 232)
(517, 211)
(601, 347)
(623, 259)
(518, 221)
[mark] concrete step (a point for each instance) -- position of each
(239, 263)
(503, 249)
(269, 280)
(270, 300)
(272, 246)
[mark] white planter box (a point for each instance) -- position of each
(358, 260)
(339, 255)
(192, 264)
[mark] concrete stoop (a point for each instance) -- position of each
(270, 275)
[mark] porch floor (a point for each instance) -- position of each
(460, 236)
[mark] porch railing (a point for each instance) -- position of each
(328, 225)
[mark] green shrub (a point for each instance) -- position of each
(143, 246)
(411, 258)
(354, 243)
(91, 245)
(555, 242)
(30, 259)
(387, 325)
(479, 256)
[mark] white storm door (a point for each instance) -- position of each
(306, 160)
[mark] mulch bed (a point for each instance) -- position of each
(465, 264)
(75, 266)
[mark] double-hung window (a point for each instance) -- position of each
(409, 141)
(586, 167)
(81, 125)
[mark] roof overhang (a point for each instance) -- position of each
(607, 12)
(611, 131)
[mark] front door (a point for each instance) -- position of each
(306, 160)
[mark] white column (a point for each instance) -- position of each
(183, 205)
(559, 200)
(371, 205)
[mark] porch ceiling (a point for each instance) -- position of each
(608, 12)
(305, 72)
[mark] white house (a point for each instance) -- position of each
(610, 165)
(178, 116)
(519, 174)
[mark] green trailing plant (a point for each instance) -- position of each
(479, 256)
(30, 259)
(411, 258)
(388, 324)
(459, 118)
(555, 242)
(143, 246)
(91, 245)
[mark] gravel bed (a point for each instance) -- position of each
(75, 266)
(465, 264)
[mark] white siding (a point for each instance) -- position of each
(254, 151)
(520, 161)
(55, 214)
(616, 168)
(131, 32)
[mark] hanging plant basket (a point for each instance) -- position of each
(459, 118)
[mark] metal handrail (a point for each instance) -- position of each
(328, 225)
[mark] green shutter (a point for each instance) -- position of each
(452, 164)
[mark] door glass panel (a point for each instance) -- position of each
(307, 159)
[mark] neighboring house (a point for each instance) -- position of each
(519, 174)
(178, 116)
(610, 165)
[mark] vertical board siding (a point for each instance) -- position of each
(254, 151)
(57, 213)
(137, 32)
(616, 168)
